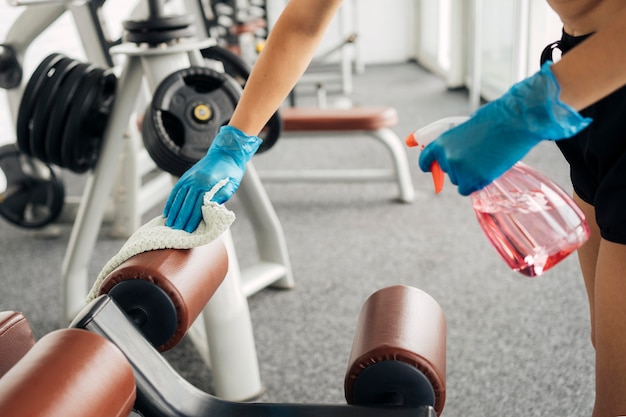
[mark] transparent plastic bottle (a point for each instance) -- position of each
(531, 222)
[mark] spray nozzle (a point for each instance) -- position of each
(422, 137)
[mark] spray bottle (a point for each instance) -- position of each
(531, 222)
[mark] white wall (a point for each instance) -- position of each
(385, 29)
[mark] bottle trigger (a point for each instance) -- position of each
(435, 169)
(438, 176)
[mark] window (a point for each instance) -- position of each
(486, 45)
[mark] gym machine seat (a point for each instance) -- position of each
(107, 363)
(164, 291)
(366, 121)
(69, 373)
(311, 119)
(399, 350)
(16, 338)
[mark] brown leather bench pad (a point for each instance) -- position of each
(405, 324)
(188, 276)
(329, 119)
(69, 373)
(16, 338)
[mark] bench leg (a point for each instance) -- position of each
(399, 173)
(400, 163)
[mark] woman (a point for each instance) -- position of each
(588, 79)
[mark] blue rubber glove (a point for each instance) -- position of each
(227, 157)
(502, 132)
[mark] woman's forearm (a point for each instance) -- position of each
(290, 46)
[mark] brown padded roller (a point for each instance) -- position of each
(16, 338)
(405, 324)
(69, 373)
(189, 277)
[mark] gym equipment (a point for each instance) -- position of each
(396, 367)
(233, 64)
(240, 71)
(389, 362)
(16, 338)
(31, 195)
(161, 392)
(365, 122)
(118, 172)
(187, 110)
(158, 28)
(69, 372)
(120, 168)
(10, 68)
(63, 112)
(238, 25)
(164, 291)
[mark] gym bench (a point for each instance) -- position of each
(108, 362)
(366, 121)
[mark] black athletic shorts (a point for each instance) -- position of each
(597, 155)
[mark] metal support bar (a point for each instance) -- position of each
(161, 391)
(268, 231)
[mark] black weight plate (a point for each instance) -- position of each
(172, 135)
(29, 99)
(233, 64)
(82, 137)
(73, 133)
(161, 155)
(271, 132)
(158, 36)
(60, 113)
(28, 200)
(240, 71)
(160, 23)
(47, 101)
(10, 68)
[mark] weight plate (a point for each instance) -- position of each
(187, 110)
(233, 64)
(29, 99)
(60, 113)
(240, 71)
(157, 30)
(10, 68)
(156, 37)
(159, 23)
(48, 96)
(270, 132)
(28, 198)
(87, 120)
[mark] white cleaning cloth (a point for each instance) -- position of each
(216, 219)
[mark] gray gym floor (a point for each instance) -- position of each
(516, 346)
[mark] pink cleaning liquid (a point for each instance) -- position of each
(532, 223)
